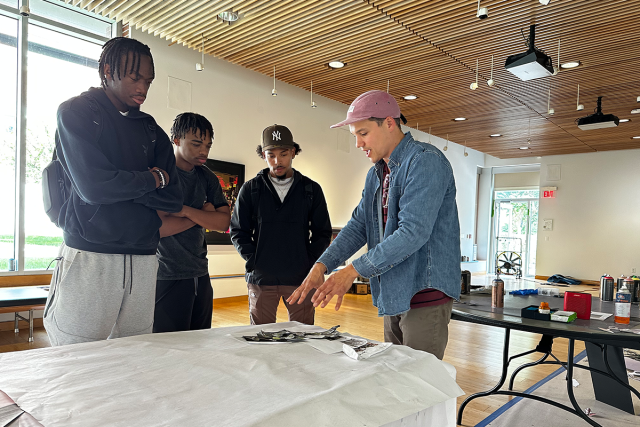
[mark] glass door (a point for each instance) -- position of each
(515, 235)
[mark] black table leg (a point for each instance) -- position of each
(608, 390)
(505, 365)
(572, 398)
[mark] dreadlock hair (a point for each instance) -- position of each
(295, 145)
(117, 49)
(190, 122)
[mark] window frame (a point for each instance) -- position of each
(21, 119)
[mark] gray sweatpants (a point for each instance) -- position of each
(96, 296)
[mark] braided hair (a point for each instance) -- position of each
(115, 51)
(190, 122)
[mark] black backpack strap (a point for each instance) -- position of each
(255, 199)
(308, 195)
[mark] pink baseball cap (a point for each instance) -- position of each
(375, 103)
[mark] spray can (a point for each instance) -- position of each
(606, 288)
(619, 282)
(635, 291)
(623, 305)
(497, 292)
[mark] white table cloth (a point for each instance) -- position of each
(209, 378)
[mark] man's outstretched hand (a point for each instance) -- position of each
(336, 285)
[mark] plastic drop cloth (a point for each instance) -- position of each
(208, 378)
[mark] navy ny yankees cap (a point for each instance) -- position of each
(277, 136)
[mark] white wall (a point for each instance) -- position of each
(239, 104)
(596, 219)
(516, 180)
(595, 213)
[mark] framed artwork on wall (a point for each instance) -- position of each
(231, 177)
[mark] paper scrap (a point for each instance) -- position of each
(595, 315)
(575, 382)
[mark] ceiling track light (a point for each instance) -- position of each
(229, 16)
(465, 149)
(474, 85)
(483, 12)
(491, 82)
(550, 110)
(274, 92)
(429, 141)
(313, 103)
(529, 136)
(200, 65)
(387, 86)
(446, 147)
(579, 107)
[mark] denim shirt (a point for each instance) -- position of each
(420, 245)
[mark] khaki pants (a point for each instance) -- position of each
(425, 328)
(264, 300)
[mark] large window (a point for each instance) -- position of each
(8, 137)
(63, 47)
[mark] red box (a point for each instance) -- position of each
(579, 302)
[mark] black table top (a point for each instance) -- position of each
(24, 295)
(477, 308)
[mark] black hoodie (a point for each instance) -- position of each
(284, 239)
(112, 208)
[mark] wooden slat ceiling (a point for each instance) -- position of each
(429, 48)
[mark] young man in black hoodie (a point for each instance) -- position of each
(280, 226)
(122, 169)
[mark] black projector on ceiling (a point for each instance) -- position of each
(598, 120)
(532, 64)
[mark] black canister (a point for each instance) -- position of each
(465, 282)
(635, 289)
(619, 282)
(606, 288)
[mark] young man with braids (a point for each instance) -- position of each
(184, 297)
(122, 171)
(280, 226)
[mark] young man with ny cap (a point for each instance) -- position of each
(184, 296)
(280, 226)
(122, 171)
(409, 220)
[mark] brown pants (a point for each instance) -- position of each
(264, 300)
(425, 328)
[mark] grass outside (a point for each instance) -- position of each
(35, 240)
(32, 263)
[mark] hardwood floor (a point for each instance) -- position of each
(475, 350)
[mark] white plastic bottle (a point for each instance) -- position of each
(623, 305)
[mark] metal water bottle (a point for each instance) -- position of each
(497, 292)
(606, 288)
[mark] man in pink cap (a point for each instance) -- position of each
(409, 220)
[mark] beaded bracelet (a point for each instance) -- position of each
(163, 181)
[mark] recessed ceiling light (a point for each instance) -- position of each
(459, 119)
(495, 135)
(544, 2)
(228, 16)
(410, 97)
(524, 148)
(570, 64)
(635, 137)
(635, 111)
(336, 64)
(624, 120)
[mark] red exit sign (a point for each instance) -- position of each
(549, 192)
